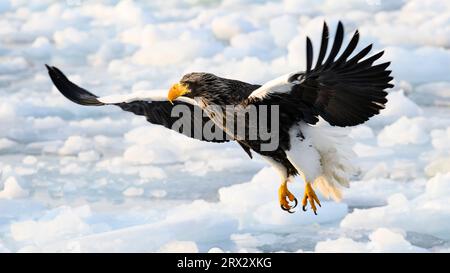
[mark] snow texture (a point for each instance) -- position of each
(95, 179)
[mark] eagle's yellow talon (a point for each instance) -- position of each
(295, 203)
(304, 202)
(310, 196)
(285, 196)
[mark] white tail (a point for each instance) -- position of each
(335, 150)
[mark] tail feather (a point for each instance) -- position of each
(335, 150)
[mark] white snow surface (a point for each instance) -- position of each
(96, 179)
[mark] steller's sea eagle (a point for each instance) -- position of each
(343, 90)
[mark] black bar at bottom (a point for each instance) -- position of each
(219, 262)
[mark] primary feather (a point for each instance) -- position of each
(345, 92)
(155, 110)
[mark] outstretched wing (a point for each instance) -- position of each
(344, 91)
(157, 111)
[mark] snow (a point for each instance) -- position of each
(228, 26)
(54, 225)
(361, 132)
(165, 50)
(404, 131)
(71, 168)
(133, 191)
(404, 63)
(158, 193)
(41, 48)
(398, 106)
(74, 145)
(439, 165)
(88, 156)
(440, 139)
(179, 247)
(12, 189)
(96, 179)
(215, 250)
(381, 240)
(152, 172)
(236, 200)
(426, 213)
(434, 93)
(12, 65)
(6, 144)
(29, 160)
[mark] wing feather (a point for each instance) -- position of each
(345, 92)
(336, 45)
(323, 45)
(156, 111)
(309, 55)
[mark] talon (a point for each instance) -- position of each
(311, 197)
(304, 202)
(285, 197)
(285, 209)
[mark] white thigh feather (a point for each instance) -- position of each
(323, 156)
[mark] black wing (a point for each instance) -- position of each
(156, 112)
(344, 91)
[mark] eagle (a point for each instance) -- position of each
(340, 90)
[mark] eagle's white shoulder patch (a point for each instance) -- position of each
(277, 85)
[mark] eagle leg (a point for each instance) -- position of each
(285, 196)
(310, 196)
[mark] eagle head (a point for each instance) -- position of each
(198, 84)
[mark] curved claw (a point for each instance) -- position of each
(304, 202)
(311, 198)
(286, 197)
(285, 209)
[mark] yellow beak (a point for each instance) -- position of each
(177, 90)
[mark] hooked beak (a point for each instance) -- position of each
(177, 90)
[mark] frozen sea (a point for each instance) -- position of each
(96, 179)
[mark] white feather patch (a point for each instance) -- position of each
(331, 149)
(278, 85)
(153, 95)
(304, 156)
(149, 96)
